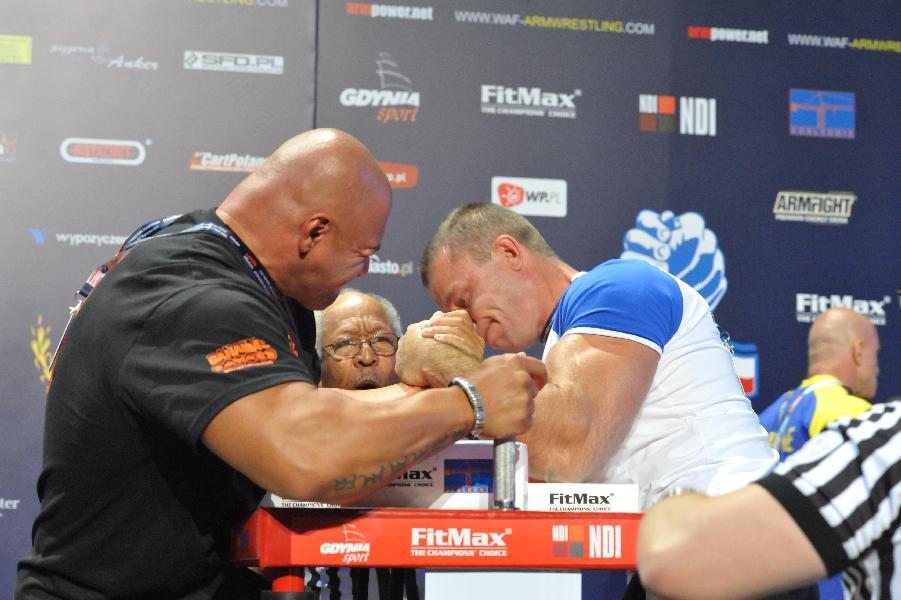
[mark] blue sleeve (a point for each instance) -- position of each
(770, 414)
(625, 296)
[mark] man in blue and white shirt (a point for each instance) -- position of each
(641, 388)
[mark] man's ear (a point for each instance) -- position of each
(857, 352)
(508, 249)
(311, 232)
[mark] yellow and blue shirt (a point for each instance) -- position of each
(801, 413)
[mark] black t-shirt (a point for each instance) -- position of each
(132, 503)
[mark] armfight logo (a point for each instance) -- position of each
(530, 196)
(95, 151)
(809, 306)
(829, 208)
(396, 99)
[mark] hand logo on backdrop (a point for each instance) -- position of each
(681, 245)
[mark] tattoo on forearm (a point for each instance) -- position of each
(359, 481)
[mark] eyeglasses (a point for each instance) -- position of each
(383, 344)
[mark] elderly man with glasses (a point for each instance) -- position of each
(357, 341)
(356, 338)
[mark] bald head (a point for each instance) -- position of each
(312, 213)
(845, 344)
(315, 170)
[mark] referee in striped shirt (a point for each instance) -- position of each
(832, 507)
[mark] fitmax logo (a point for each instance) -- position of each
(809, 306)
(528, 101)
(417, 474)
(453, 537)
(556, 498)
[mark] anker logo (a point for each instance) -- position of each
(102, 152)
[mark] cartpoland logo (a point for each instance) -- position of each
(400, 176)
(530, 196)
(209, 161)
(102, 152)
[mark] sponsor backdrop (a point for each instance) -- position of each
(751, 150)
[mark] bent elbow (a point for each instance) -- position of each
(658, 571)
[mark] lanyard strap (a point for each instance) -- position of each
(790, 404)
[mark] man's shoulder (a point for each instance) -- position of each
(626, 275)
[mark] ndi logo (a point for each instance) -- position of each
(604, 541)
(696, 116)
